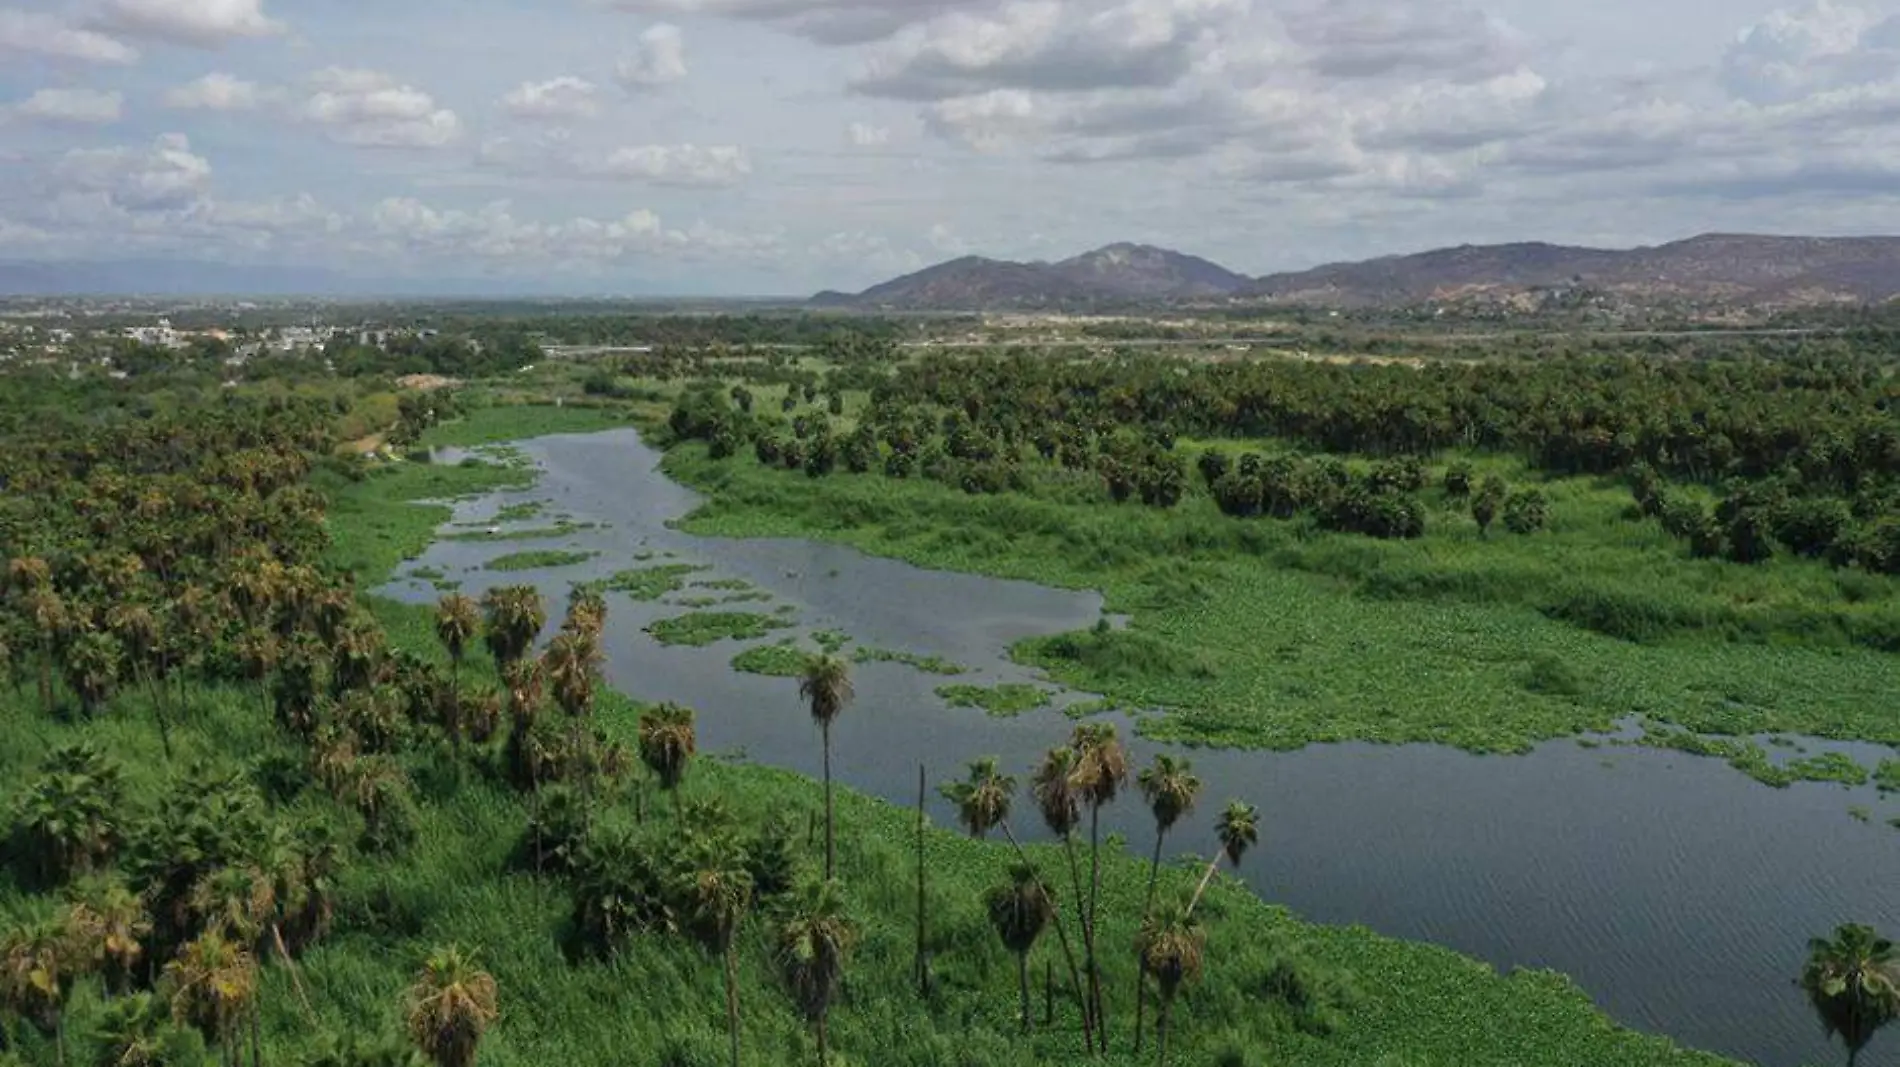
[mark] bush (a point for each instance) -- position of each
(1526, 511)
(1458, 480)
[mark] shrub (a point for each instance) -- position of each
(1526, 511)
(1458, 480)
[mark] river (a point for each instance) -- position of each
(1679, 893)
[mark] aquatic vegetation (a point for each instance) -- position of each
(1829, 767)
(1887, 776)
(539, 559)
(706, 627)
(830, 641)
(650, 583)
(778, 661)
(1009, 698)
(927, 664)
(535, 533)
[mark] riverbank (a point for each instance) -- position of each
(1366, 999)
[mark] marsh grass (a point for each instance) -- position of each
(926, 664)
(699, 628)
(1002, 701)
(538, 559)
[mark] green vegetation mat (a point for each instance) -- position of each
(1010, 698)
(650, 583)
(540, 559)
(706, 627)
(777, 661)
(927, 664)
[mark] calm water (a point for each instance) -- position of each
(1675, 890)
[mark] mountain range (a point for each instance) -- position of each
(1739, 269)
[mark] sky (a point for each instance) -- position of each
(730, 147)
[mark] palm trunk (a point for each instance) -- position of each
(1062, 936)
(923, 966)
(824, 1047)
(831, 856)
(1095, 892)
(46, 676)
(732, 1001)
(1161, 1032)
(1022, 980)
(290, 966)
(1081, 921)
(1147, 909)
(257, 1046)
(1206, 877)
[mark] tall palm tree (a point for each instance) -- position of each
(94, 662)
(37, 968)
(213, 987)
(982, 799)
(109, 924)
(137, 1031)
(1101, 768)
(668, 740)
(1853, 983)
(514, 617)
(1020, 909)
(451, 1005)
(1171, 789)
(69, 817)
(813, 943)
(716, 893)
(826, 687)
(571, 661)
(457, 621)
(1172, 947)
(1061, 811)
(1238, 828)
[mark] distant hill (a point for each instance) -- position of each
(1728, 268)
(1734, 268)
(1112, 275)
(180, 278)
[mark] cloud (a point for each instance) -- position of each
(33, 33)
(199, 23)
(834, 22)
(1046, 45)
(682, 164)
(216, 92)
(1380, 39)
(658, 59)
(167, 176)
(564, 97)
(494, 232)
(365, 107)
(1791, 54)
(85, 107)
(865, 135)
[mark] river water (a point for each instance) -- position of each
(1679, 893)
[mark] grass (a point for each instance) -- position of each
(1276, 635)
(927, 664)
(538, 559)
(775, 661)
(831, 642)
(650, 583)
(371, 533)
(699, 628)
(521, 512)
(488, 425)
(531, 533)
(1887, 776)
(1002, 701)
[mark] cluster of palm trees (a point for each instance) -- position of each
(1086, 775)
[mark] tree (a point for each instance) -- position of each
(37, 969)
(457, 620)
(716, 893)
(1101, 767)
(571, 661)
(826, 688)
(213, 987)
(813, 943)
(1238, 828)
(450, 1006)
(1061, 810)
(94, 661)
(109, 924)
(1853, 983)
(1020, 909)
(983, 799)
(1487, 501)
(1171, 789)
(668, 740)
(514, 616)
(69, 818)
(137, 1031)
(1172, 947)
(1526, 511)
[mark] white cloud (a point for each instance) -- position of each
(1792, 54)
(166, 176)
(865, 135)
(33, 33)
(564, 97)
(84, 107)
(494, 232)
(826, 21)
(215, 92)
(681, 164)
(365, 107)
(658, 59)
(199, 23)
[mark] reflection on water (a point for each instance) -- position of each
(1678, 892)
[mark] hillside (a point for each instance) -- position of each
(1116, 274)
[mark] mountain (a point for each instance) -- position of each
(1731, 268)
(1117, 274)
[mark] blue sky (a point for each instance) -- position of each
(781, 146)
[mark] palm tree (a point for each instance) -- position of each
(69, 817)
(1171, 789)
(450, 1006)
(1238, 828)
(667, 742)
(109, 924)
(213, 987)
(94, 662)
(1019, 910)
(36, 971)
(514, 617)
(1061, 811)
(983, 799)
(1172, 947)
(457, 620)
(571, 660)
(136, 1031)
(1101, 766)
(716, 892)
(1853, 983)
(813, 943)
(826, 686)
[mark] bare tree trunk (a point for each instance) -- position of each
(831, 855)
(1048, 993)
(290, 965)
(1147, 909)
(1062, 937)
(1022, 979)
(732, 1001)
(1081, 919)
(1206, 877)
(1161, 1032)
(1095, 892)
(824, 1047)
(923, 965)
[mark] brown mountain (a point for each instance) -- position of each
(1732, 268)
(1117, 274)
